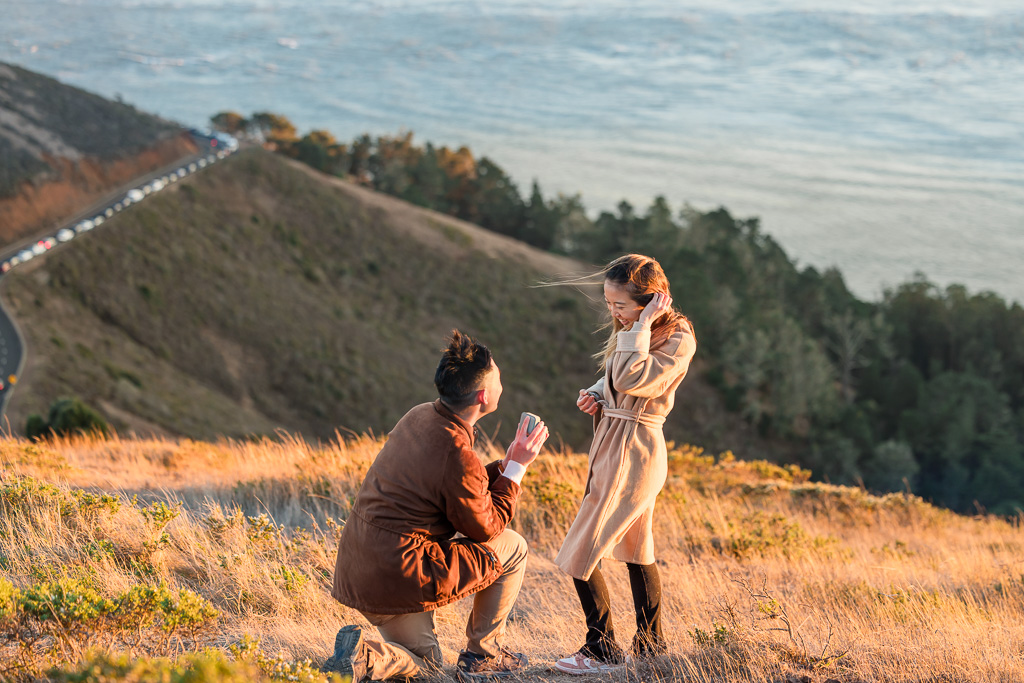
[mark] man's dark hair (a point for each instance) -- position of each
(463, 366)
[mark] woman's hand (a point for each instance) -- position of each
(587, 403)
(525, 447)
(659, 305)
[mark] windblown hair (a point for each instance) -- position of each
(642, 277)
(460, 374)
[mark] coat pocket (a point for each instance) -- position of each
(458, 567)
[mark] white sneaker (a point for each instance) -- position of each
(579, 664)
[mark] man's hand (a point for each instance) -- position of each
(659, 305)
(525, 447)
(587, 403)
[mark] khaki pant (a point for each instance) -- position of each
(410, 646)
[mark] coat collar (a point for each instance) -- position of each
(446, 412)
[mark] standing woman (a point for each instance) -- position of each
(645, 359)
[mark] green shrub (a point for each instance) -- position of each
(209, 667)
(718, 634)
(246, 663)
(548, 505)
(58, 617)
(7, 600)
(71, 415)
(67, 416)
(36, 427)
(761, 534)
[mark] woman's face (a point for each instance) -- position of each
(620, 304)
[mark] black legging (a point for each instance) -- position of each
(645, 584)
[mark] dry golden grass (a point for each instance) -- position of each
(766, 577)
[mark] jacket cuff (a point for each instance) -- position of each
(514, 471)
(634, 341)
(493, 470)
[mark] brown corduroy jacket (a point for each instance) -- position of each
(399, 551)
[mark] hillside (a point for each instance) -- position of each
(62, 148)
(767, 578)
(261, 295)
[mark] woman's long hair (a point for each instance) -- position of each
(642, 277)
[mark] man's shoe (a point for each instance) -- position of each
(350, 657)
(472, 667)
(580, 664)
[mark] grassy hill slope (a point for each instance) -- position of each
(766, 578)
(258, 295)
(62, 147)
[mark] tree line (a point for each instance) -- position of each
(923, 389)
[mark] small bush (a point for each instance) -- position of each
(67, 416)
(72, 416)
(36, 427)
(548, 505)
(57, 617)
(761, 534)
(718, 634)
(209, 667)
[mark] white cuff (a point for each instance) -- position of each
(638, 340)
(514, 471)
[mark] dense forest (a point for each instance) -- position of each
(923, 389)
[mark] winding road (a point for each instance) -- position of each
(12, 342)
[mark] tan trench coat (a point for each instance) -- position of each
(628, 458)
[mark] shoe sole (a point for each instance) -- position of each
(345, 643)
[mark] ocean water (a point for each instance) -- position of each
(883, 137)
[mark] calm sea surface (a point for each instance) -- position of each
(881, 136)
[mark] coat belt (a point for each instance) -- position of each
(646, 419)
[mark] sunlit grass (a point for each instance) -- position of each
(767, 577)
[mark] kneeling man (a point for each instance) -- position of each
(428, 527)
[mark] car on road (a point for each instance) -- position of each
(25, 255)
(192, 168)
(99, 220)
(109, 212)
(118, 206)
(65, 235)
(228, 142)
(84, 226)
(38, 248)
(6, 266)
(134, 195)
